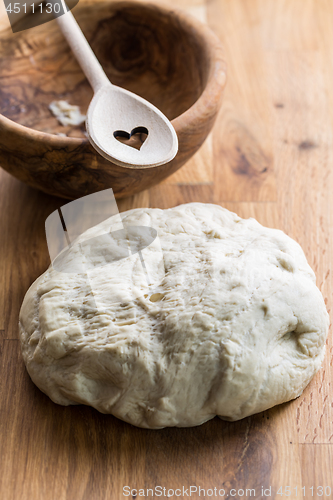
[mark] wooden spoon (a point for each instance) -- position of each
(117, 113)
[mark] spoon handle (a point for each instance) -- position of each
(81, 49)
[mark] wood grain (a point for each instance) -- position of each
(319, 458)
(278, 113)
(242, 139)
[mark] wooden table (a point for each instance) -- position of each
(270, 156)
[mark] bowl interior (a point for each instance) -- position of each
(141, 48)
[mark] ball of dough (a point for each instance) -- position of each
(234, 325)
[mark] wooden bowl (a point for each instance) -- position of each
(163, 55)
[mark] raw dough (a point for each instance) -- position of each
(67, 114)
(236, 325)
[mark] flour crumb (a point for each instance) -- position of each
(67, 114)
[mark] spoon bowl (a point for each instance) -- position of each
(115, 112)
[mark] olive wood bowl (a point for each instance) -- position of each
(161, 54)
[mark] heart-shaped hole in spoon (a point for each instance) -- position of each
(135, 139)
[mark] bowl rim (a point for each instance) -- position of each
(209, 99)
